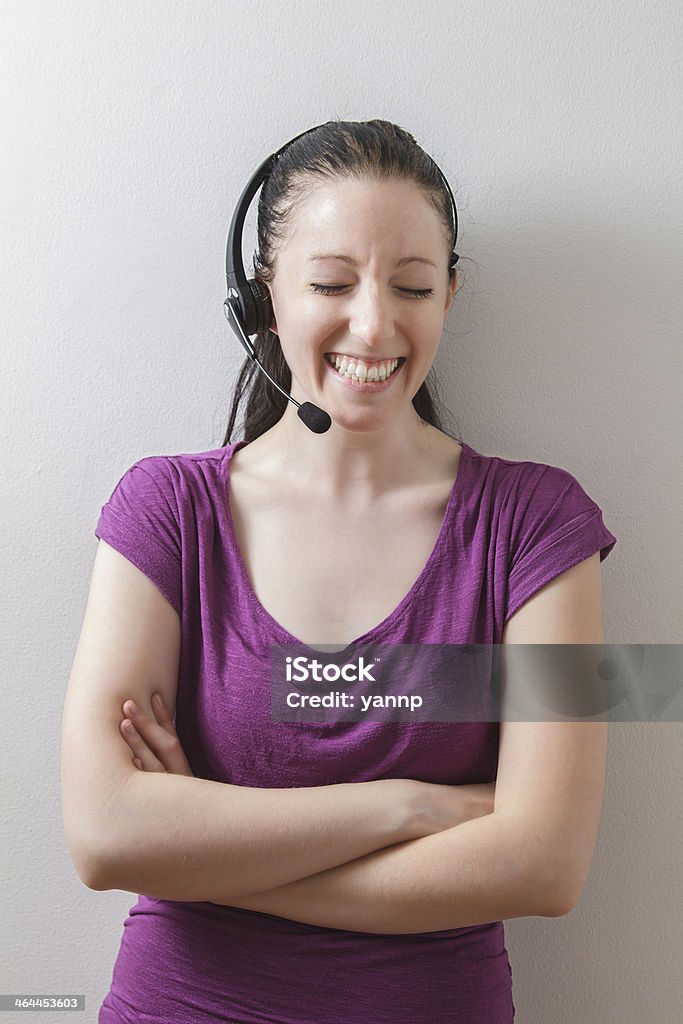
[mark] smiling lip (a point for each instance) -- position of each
(367, 386)
(364, 359)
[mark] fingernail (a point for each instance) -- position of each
(157, 698)
(131, 707)
(128, 726)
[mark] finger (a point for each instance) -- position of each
(146, 756)
(157, 737)
(162, 713)
(164, 745)
(141, 751)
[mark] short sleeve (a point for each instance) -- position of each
(141, 521)
(555, 525)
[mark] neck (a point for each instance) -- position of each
(350, 464)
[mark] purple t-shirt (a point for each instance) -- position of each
(509, 528)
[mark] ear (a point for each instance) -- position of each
(273, 322)
(451, 294)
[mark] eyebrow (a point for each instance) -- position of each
(347, 259)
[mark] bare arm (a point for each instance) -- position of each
(182, 838)
(194, 839)
(478, 872)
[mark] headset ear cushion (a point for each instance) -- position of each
(262, 304)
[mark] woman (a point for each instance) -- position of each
(382, 529)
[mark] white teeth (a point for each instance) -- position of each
(355, 370)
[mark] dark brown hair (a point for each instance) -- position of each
(372, 150)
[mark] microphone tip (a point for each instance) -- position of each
(315, 419)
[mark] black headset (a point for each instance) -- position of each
(248, 308)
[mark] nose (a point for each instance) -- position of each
(372, 316)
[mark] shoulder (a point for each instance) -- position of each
(164, 486)
(549, 523)
(523, 486)
(172, 472)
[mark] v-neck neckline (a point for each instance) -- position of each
(283, 635)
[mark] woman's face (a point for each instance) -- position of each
(382, 307)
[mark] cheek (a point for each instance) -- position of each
(309, 323)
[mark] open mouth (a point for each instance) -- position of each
(364, 373)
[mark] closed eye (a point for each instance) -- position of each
(334, 289)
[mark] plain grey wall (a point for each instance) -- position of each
(128, 133)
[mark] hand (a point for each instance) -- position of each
(437, 807)
(154, 741)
